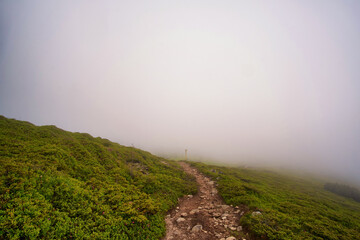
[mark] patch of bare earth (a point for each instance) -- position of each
(205, 215)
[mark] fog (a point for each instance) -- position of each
(272, 83)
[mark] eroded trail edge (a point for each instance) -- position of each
(205, 215)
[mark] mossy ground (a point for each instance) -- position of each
(56, 184)
(291, 207)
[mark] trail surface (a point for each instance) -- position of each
(204, 216)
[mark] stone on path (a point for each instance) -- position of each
(180, 219)
(184, 214)
(197, 228)
(231, 238)
(194, 211)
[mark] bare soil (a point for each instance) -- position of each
(204, 215)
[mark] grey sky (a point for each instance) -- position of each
(243, 81)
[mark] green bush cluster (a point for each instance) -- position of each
(291, 207)
(56, 184)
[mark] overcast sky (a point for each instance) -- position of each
(239, 81)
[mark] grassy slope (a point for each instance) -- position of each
(292, 207)
(63, 185)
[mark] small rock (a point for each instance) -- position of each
(255, 213)
(183, 214)
(216, 214)
(196, 228)
(180, 220)
(239, 228)
(190, 196)
(232, 228)
(194, 211)
(231, 238)
(177, 207)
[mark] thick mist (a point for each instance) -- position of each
(251, 82)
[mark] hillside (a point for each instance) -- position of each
(56, 184)
(285, 207)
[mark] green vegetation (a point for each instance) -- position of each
(291, 207)
(56, 184)
(343, 190)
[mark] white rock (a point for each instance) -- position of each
(231, 238)
(255, 213)
(184, 214)
(180, 220)
(239, 228)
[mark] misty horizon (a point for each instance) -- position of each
(272, 83)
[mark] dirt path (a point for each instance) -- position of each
(205, 215)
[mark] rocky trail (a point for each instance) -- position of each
(204, 215)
